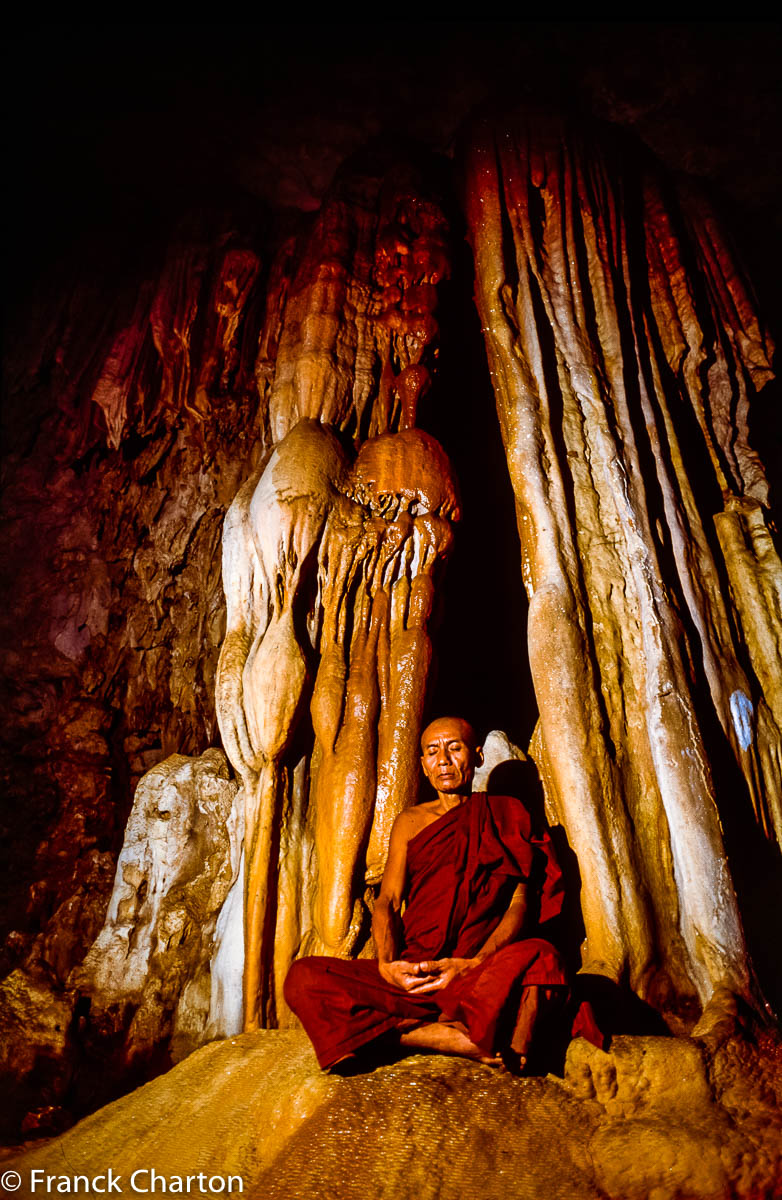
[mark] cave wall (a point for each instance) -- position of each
(142, 392)
(172, 372)
(115, 492)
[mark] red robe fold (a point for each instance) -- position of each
(462, 870)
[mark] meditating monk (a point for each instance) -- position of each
(466, 882)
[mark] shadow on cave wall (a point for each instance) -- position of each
(616, 1009)
(481, 669)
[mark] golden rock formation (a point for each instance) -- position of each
(654, 1117)
(329, 567)
(347, 333)
(326, 563)
(378, 559)
(622, 380)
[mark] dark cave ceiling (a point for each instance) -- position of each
(115, 123)
(115, 130)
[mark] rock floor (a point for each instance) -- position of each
(654, 1119)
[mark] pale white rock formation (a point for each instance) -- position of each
(497, 749)
(179, 861)
(227, 966)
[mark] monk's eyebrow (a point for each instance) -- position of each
(451, 742)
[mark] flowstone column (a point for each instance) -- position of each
(379, 559)
(331, 556)
(624, 351)
(329, 573)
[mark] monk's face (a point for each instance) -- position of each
(449, 755)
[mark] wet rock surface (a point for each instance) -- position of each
(144, 391)
(654, 1117)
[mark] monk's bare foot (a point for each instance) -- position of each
(492, 1060)
(448, 1038)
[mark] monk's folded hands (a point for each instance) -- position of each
(410, 976)
(441, 971)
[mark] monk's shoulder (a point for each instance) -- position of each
(408, 823)
(412, 820)
(510, 812)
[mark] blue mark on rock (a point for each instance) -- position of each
(742, 712)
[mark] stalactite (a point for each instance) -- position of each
(377, 589)
(354, 348)
(330, 566)
(269, 555)
(182, 345)
(623, 353)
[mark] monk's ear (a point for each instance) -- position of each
(479, 756)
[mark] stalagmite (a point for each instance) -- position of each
(313, 545)
(329, 569)
(269, 563)
(147, 977)
(624, 440)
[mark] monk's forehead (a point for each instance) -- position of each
(450, 727)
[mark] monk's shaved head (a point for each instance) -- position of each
(458, 724)
(449, 755)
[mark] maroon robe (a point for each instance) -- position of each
(462, 870)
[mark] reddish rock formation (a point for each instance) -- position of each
(112, 516)
(114, 612)
(625, 353)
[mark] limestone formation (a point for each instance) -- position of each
(147, 975)
(368, 699)
(285, 379)
(329, 567)
(655, 1117)
(199, 284)
(159, 370)
(327, 564)
(348, 341)
(622, 379)
(498, 749)
(112, 623)
(36, 1058)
